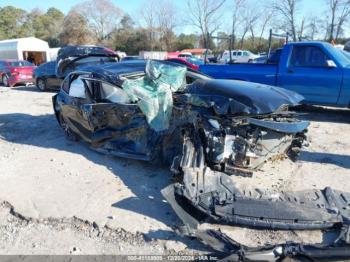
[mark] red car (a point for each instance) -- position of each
(14, 72)
(190, 62)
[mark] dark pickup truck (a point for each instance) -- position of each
(316, 70)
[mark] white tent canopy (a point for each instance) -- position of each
(30, 48)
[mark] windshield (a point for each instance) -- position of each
(20, 63)
(338, 54)
(347, 54)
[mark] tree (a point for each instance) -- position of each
(46, 26)
(237, 6)
(167, 21)
(288, 10)
(205, 15)
(339, 14)
(13, 23)
(75, 30)
(102, 17)
(185, 42)
(149, 17)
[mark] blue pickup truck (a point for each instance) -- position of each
(317, 70)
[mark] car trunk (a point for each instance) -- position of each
(23, 71)
(71, 57)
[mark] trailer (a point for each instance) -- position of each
(31, 49)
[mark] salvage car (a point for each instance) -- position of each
(206, 130)
(121, 110)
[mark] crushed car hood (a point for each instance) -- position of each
(239, 97)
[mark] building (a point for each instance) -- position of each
(31, 49)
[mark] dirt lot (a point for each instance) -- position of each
(60, 197)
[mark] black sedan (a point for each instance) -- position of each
(205, 130)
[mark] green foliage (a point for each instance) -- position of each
(185, 41)
(13, 23)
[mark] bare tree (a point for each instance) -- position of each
(339, 13)
(314, 27)
(205, 15)
(75, 30)
(288, 10)
(149, 17)
(238, 5)
(167, 21)
(249, 20)
(102, 16)
(265, 18)
(301, 30)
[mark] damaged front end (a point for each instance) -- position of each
(240, 127)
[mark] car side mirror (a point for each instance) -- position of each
(331, 64)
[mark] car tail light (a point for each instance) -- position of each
(195, 67)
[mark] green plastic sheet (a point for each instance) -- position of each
(153, 92)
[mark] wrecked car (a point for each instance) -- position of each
(155, 111)
(206, 130)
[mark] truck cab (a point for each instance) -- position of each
(316, 70)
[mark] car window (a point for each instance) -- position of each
(245, 54)
(239, 54)
(234, 53)
(308, 56)
(114, 94)
(274, 58)
(20, 63)
(195, 61)
(77, 88)
(178, 61)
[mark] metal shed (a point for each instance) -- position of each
(31, 49)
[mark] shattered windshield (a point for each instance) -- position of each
(153, 92)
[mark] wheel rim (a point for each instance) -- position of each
(41, 85)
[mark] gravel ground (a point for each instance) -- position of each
(60, 197)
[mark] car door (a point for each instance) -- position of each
(52, 79)
(111, 122)
(312, 73)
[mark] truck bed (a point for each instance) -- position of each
(259, 73)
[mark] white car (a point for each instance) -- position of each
(238, 56)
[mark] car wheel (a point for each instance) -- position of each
(67, 130)
(41, 84)
(5, 80)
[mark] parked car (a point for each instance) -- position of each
(237, 56)
(316, 70)
(185, 55)
(14, 72)
(45, 77)
(190, 62)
